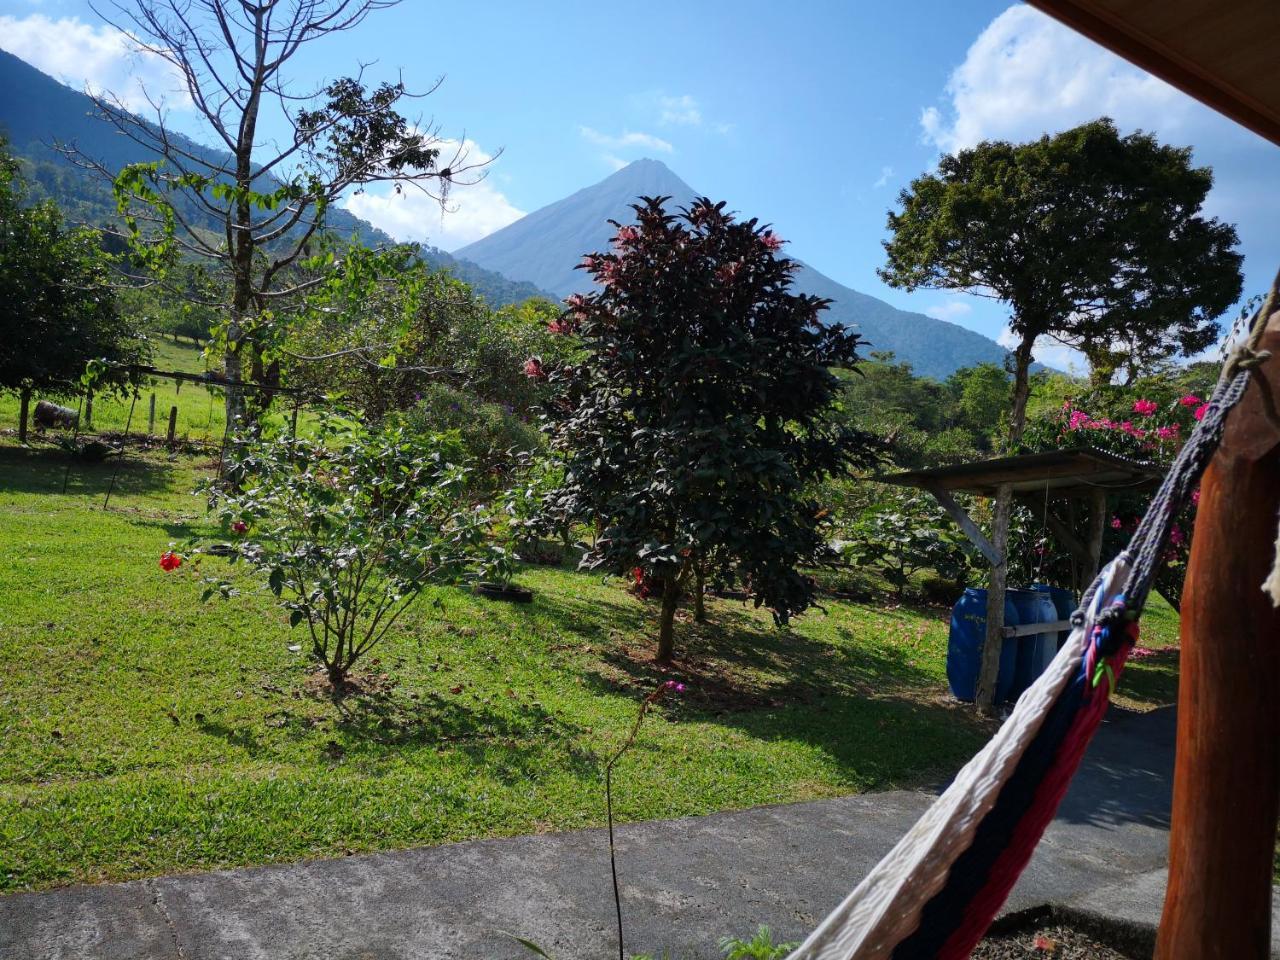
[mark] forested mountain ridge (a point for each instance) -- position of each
(546, 246)
(39, 112)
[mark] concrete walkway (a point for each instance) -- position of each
(685, 882)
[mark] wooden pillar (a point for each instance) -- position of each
(1226, 791)
(151, 417)
(990, 670)
(24, 413)
(88, 410)
(1097, 527)
(173, 424)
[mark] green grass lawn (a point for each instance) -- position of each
(145, 732)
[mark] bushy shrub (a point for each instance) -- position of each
(904, 533)
(492, 435)
(347, 526)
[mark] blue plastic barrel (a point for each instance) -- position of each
(1036, 650)
(1064, 601)
(964, 648)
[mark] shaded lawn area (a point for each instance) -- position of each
(145, 732)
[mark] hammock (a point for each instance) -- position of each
(935, 894)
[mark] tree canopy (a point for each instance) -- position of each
(695, 418)
(57, 305)
(1094, 239)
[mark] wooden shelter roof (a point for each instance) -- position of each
(1221, 53)
(1074, 472)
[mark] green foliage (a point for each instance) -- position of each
(382, 328)
(57, 306)
(697, 416)
(1091, 238)
(759, 947)
(903, 533)
(347, 527)
(491, 436)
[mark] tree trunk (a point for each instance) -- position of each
(666, 622)
(1226, 785)
(24, 410)
(88, 411)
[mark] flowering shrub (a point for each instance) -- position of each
(347, 527)
(1151, 427)
(694, 420)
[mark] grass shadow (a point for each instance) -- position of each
(43, 470)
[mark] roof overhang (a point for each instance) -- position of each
(1076, 472)
(1222, 52)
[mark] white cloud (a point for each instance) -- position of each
(1027, 74)
(950, 310)
(626, 139)
(883, 181)
(473, 210)
(679, 111)
(98, 57)
(1049, 352)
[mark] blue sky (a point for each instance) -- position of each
(811, 116)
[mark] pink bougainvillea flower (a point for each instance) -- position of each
(170, 561)
(1195, 496)
(558, 326)
(771, 240)
(1116, 523)
(1078, 419)
(1191, 400)
(1168, 433)
(533, 369)
(239, 526)
(1176, 536)
(1145, 407)
(672, 685)
(1201, 411)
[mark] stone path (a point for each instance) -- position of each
(685, 882)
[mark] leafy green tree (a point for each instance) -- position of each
(1092, 239)
(57, 304)
(258, 210)
(696, 418)
(981, 396)
(383, 326)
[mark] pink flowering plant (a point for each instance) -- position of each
(1147, 422)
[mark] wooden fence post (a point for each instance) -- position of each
(173, 424)
(151, 417)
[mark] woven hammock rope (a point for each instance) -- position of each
(936, 892)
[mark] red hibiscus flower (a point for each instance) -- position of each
(170, 561)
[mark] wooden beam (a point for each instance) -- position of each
(966, 524)
(1097, 527)
(1226, 786)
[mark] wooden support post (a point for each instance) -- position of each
(24, 413)
(990, 670)
(1097, 527)
(173, 424)
(1226, 787)
(151, 417)
(88, 410)
(965, 523)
